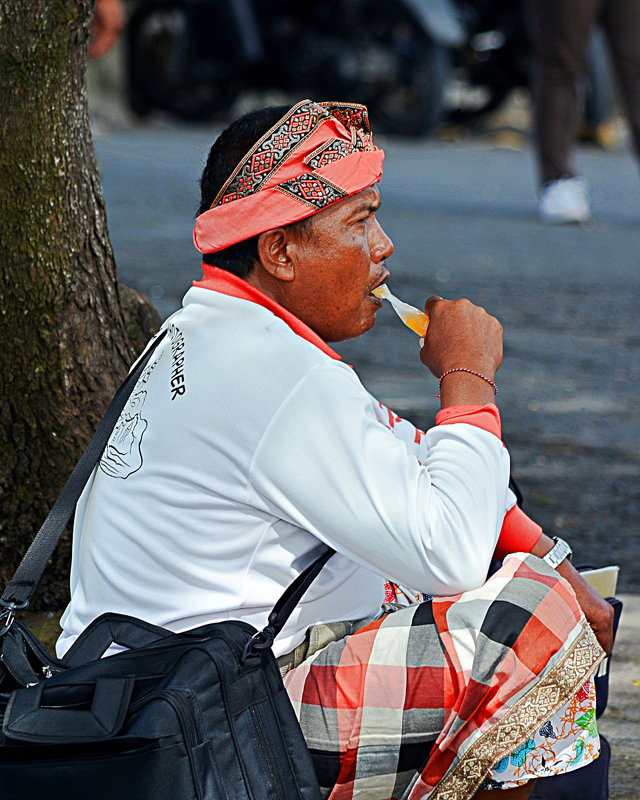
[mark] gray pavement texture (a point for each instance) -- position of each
(463, 218)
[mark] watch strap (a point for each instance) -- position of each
(558, 553)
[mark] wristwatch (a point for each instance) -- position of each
(558, 552)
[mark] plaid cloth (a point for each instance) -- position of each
(424, 701)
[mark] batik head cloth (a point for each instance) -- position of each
(316, 155)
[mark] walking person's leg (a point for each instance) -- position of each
(560, 32)
(621, 21)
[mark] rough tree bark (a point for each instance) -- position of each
(64, 319)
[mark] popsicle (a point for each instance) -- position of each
(412, 317)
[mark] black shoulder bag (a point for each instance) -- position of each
(200, 715)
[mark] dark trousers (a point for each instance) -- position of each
(560, 32)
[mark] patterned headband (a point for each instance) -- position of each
(316, 155)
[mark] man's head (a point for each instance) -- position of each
(288, 203)
(226, 153)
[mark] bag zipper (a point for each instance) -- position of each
(167, 644)
(188, 722)
(263, 743)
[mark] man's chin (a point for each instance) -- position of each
(345, 336)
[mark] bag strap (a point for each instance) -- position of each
(285, 605)
(18, 591)
(293, 594)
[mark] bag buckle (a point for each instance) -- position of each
(9, 614)
(259, 641)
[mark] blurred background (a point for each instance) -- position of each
(423, 67)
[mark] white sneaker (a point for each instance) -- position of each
(563, 201)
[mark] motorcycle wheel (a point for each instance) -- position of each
(402, 72)
(164, 70)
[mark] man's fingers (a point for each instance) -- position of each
(430, 303)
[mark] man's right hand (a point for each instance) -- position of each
(461, 334)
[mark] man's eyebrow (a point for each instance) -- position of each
(366, 205)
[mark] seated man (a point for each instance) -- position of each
(248, 446)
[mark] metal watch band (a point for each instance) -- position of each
(558, 553)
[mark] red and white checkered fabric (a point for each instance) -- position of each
(424, 701)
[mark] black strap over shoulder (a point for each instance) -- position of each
(18, 591)
(285, 605)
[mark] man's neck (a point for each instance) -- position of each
(219, 280)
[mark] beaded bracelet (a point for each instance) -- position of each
(471, 372)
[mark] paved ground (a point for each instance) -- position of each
(463, 219)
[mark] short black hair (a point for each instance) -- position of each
(227, 151)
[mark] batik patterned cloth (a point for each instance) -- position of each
(394, 593)
(568, 741)
(424, 701)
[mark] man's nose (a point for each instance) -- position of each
(381, 246)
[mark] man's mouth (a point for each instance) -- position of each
(383, 279)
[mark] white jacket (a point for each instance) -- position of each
(243, 450)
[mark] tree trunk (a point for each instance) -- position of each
(63, 334)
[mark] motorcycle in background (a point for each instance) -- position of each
(192, 58)
(412, 62)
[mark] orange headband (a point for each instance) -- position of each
(316, 155)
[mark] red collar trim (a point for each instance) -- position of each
(219, 280)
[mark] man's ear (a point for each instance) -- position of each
(275, 251)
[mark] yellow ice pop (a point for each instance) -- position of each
(412, 317)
